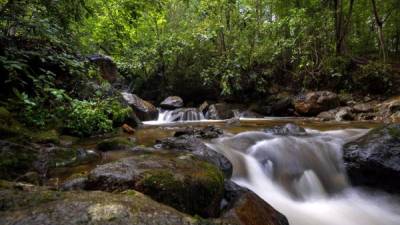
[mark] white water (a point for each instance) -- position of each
(303, 178)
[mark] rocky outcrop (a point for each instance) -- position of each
(311, 104)
(143, 109)
(374, 159)
(195, 146)
(172, 102)
(176, 179)
(108, 69)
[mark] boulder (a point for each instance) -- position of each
(208, 132)
(203, 108)
(328, 115)
(244, 207)
(344, 114)
(108, 69)
(312, 103)
(172, 102)
(223, 111)
(144, 110)
(364, 107)
(116, 143)
(275, 105)
(286, 130)
(374, 159)
(195, 146)
(176, 179)
(45, 207)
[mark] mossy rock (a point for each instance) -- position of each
(49, 136)
(16, 160)
(67, 157)
(176, 179)
(78, 207)
(116, 143)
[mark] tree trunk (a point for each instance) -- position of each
(342, 25)
(379, 25)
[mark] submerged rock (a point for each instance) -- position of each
(374, 159)
(205, 133)
(313, 103)
(172, 102)
(143, 109)
(288, 129)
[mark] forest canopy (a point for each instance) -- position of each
(231, 49)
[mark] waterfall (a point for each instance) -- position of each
(184, 114)
(303, 177)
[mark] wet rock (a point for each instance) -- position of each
(222, 111)
(344, 114)
(250, 114)
(247, 208)
(374, 159)
(203, 108)
(179, 180)
(46, 207)
(198, 148)
(328, 115)
(364, 107)
(144, 110)
(76, 183)
(208, 132)
(172, 102)
(116, 176)
(288, 129)
(127, 129)
(108, 69)
(116, 143)
(313, 103)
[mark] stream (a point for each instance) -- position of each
(301, 175)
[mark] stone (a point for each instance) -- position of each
(170, 178)
(203, 108)
(195, 146)
(128, 129)
(285, 130)
(116, 143)
(172, 102)
(108, 69)
(312, 103)
(328, 115)
(223, 111)
(245, 208)
(208, 132)
(344, 114)
(144, 110)
(46, 207)
(364, 107)
(374, 159)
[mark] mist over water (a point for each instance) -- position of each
(303, 177)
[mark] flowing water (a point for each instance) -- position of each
(303, 177)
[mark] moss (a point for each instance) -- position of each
(50, 136)
(394, 131)
(193, 187)
(116, 143)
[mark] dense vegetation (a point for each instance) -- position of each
(231, 49)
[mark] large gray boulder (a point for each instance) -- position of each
(172, 102)
(143, 109)
(374, 159)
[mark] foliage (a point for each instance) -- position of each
(94, 117)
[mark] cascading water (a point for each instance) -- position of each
(303, 177)
(185, 114)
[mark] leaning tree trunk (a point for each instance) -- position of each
(379, 24)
